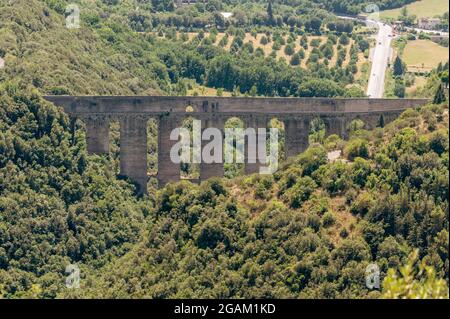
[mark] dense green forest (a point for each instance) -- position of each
(308, 231)
(38, 48)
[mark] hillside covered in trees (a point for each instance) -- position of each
(111, 53)
(308, 231)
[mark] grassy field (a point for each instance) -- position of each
(418, 82)
(424, 55)
(422, 9)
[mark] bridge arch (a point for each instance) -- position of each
(169, 112)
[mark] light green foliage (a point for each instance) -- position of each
(415, 280)
(209, 240)
(328, 219)
(308, 231)
(356, 148)
(300, 192)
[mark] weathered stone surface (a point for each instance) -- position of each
(252, 160)
(167, 170)
(133, 150)
(97, 134)
(230, 106)
(133, 112)
(336, 125)
(213, 169)
(296, 135)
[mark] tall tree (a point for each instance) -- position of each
(270, 16)
(399, 68)
(439, 96)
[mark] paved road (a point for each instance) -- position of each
(380, 57)
(380, 60)
(431, 32)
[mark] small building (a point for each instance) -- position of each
(227, 15)
(180, 3)
(398, 25)
(428, 23)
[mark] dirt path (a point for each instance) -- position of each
(333, 155)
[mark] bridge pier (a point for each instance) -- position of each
(296, 132)
(372, 121)
(133, 150)
(336, 125)
(208, 170)
(252, 163)
(167, 170)
(97, 134)
(133, 112)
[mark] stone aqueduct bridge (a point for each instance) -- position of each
(134, 112)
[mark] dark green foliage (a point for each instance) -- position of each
(357, 148)
(344, 39)
(51, 211)
(320, 88)
(289, 49)
(439, 96)
(399, 89)
(399, 67)
(201, 240)
(308, 231)
(295, 60)
(439, 142)
(300, 192)
(270, 15)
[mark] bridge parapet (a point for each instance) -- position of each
(152, 105)
(134, 112)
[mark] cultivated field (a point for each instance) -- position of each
(281, 54)
(424, 55)
(421, 9)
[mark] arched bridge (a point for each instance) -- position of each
(133, 112)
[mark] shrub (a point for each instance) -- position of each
(438, 142)
(295, 60)
(264, 40)
(315, 43)
(356, 148)
(312, 159)
(335, 177)
(416, 280)
(361, 169)
(314, 222)
(362, 204)
(399, 89)
(328, 219)
(289, 49)
(333, 142)
(300, 192)
(344, 39)
(210, 235)
(356, 125)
